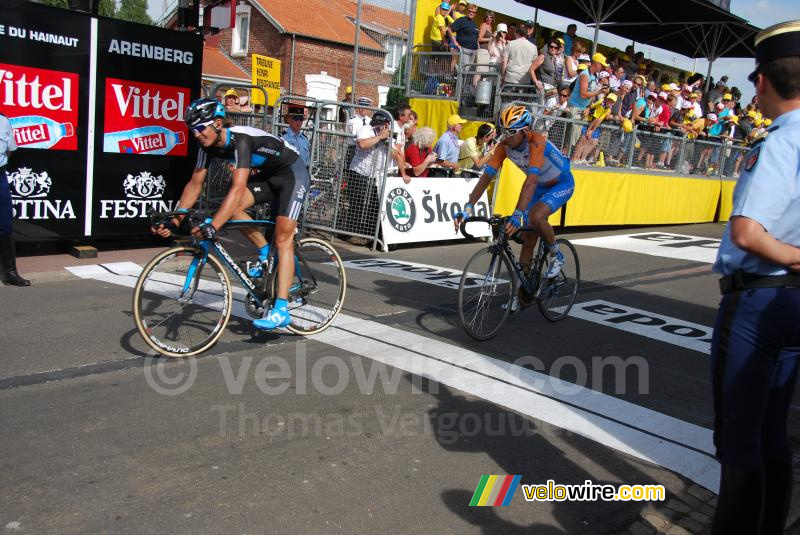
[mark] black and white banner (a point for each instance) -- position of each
(423, 210)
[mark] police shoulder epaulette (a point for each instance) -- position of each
(758, 141)
(773, 128)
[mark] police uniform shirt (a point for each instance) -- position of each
(356, 123)
(768, 192)
(299, 142)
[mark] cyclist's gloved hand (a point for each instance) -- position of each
(469, 208)
(208, 230)
(518, 219)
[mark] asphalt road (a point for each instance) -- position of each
(384, 422)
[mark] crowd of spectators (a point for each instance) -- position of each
(620, 88)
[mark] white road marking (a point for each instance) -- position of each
(649, 324)
(646, 434)
(663, 244)
(435, 275)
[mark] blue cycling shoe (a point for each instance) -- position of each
(278, 317)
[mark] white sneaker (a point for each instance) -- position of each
(514, 305)
(555, 263)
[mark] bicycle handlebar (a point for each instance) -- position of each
(494, 220)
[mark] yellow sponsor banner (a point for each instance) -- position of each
(434, 112)
(266, 73)
(726, 200)
(619, 198)
(509, 184)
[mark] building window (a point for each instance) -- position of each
(241, 33)
(394, 54)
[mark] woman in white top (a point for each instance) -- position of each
(571, 62)
(498, 44)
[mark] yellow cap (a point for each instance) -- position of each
(727, 96)
(455, 119)
(349, 89)
(627, 125)
(734, 119)
(752, 114)
(664, 87)
(231, 93)
(600, 58)
(758, 123)
(767, 122)
(612, 97)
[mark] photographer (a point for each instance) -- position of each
(367, 173)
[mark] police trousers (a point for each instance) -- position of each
(754, 352)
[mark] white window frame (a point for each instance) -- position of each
(399, 46)
(242, 16)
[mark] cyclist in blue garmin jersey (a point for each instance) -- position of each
(280, 177)
(548, 186)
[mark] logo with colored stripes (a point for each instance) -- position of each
(495, 490)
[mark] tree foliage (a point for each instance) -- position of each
(134, 11)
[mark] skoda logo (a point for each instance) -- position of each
(400, 209)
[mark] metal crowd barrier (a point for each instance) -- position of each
(479, 88)
(345, 198)
(434, 75)
(644, 148)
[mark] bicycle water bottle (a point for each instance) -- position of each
(144, 140)
(37, 132)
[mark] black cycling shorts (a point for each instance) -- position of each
(285, 189)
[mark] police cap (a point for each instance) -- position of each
(778, 41)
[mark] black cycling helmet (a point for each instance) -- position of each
(203, 110)
(380, 119)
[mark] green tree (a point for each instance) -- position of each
(107, 8)
(134, 11)
(55, 3)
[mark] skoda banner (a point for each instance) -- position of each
(423, 210)
(96, 107)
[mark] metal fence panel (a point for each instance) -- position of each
(479, 86)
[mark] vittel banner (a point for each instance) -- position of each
(42, 106)
(142, 118)
(144, 155)
(44, 91)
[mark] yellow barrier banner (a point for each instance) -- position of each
(433, 112)
(509, 183)
(726, 200)
(620, 198)
(266, 73)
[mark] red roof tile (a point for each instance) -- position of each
(216, 63)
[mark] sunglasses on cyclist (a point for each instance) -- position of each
(510, 132)
(199, 128)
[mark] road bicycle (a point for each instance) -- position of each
(183, 298)
(492, 277)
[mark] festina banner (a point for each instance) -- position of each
(96, 106)
(44, 81)
(144, 154)
(423, 210)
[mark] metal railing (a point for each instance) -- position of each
(433, 74)
(479, 91)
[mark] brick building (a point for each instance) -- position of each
(315, 41)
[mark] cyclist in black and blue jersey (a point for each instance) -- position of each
(279, 177)
(548, 186)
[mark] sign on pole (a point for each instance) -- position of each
(267, 74)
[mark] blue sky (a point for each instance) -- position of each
(761, 13)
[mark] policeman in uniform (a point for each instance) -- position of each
(294, 134)
(756, 340)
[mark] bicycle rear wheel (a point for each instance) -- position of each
(180, 304)
(557, 295)
(487, 288)
(318, 287)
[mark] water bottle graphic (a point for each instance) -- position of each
(37, 132)
(144, 140)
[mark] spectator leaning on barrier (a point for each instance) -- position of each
(477, 150)
(448, 148)
(294, 135)
(402, 115)
(8, 253)
(590, 134)
(466, 35)
(419, 155)
(232, 101)
(517, 59)
(754, 348)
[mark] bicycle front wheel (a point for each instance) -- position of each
(557, 295)
(487, 288)
(318, 287)
(182, 304)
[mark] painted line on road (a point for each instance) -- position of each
(644, 323)
(663, 244)
(646, 434)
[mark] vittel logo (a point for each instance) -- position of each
(137, 102)
(28, 91)
(143, 192)
(29, 192)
